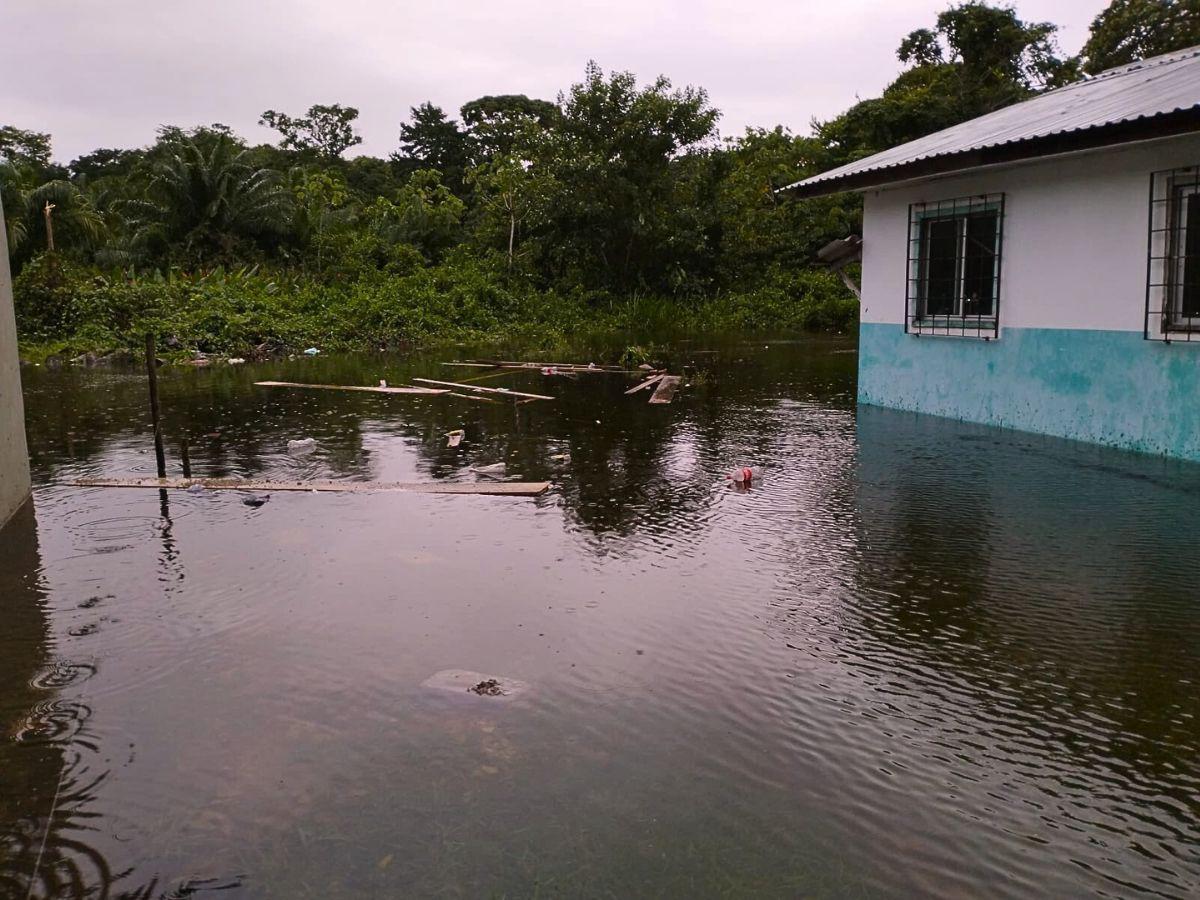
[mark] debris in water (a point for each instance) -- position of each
(462, 681)
(454, 438)
(302, 447)
(489, 687)
(196, 489)
(508, 488)
(311, 351)
(236, 360)
(383, 382)
(665, 392)
(255, 500)
(641, 385)
(349, 387)
(745, 474)
(477, 389)
(495, 470)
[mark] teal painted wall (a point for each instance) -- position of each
(1107, 387)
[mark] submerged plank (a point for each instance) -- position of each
(454, 385)
(350, 387)
(652, 380)
(665, 392)
(509, 488)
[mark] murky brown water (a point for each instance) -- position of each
(918, 659)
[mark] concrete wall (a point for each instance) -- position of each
(1070, 359)
(14, 457)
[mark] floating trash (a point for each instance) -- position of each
(302, 447)
(463, 681)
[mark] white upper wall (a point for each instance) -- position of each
(1075, 236)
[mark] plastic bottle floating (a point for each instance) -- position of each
(302, 447)
(745, 474)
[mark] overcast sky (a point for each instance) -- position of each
(106, 74)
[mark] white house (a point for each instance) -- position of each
(1038, 268)
(14, 459)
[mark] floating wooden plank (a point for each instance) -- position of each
(350, 387)
(509, 488)
(560, 367)
(505, 392)
(653, 379)
(665, 392)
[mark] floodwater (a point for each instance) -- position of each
(917, 658)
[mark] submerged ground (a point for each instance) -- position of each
(919, 658)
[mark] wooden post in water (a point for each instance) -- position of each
(184, 459)
(152, 371)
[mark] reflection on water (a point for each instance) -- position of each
(918, 658)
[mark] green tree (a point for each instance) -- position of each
(1129, 30)
(626, 163)
(977, 58)
(494, 123)
(46, 215)
(427, 214)
(432, 140)
(203, 199)
(762, 230)
(24, 148)
(325, 131)
(511, 194)
(321, 205)
(103, 163)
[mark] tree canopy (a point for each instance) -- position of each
(1129, 30)
(327, 131)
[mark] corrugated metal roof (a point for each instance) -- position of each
(1142, 90)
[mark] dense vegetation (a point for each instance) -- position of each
(617, 206)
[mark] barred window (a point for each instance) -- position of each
(1173, 283)
(954, 267)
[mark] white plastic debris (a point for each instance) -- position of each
(382, 382)
(302, 447)
(495, 470)
(236, 360)
(454, 438)
(311, 351)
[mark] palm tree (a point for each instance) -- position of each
(205, 197)
(51, 215)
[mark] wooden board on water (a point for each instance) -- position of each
(652, 380)
(351, 387)
(503, 392)
(665, 392)
(574, 368)
(505, 488)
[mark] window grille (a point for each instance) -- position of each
(953, 284)
(1173, 276)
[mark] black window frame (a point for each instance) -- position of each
(1173, 257)
(959, 321)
